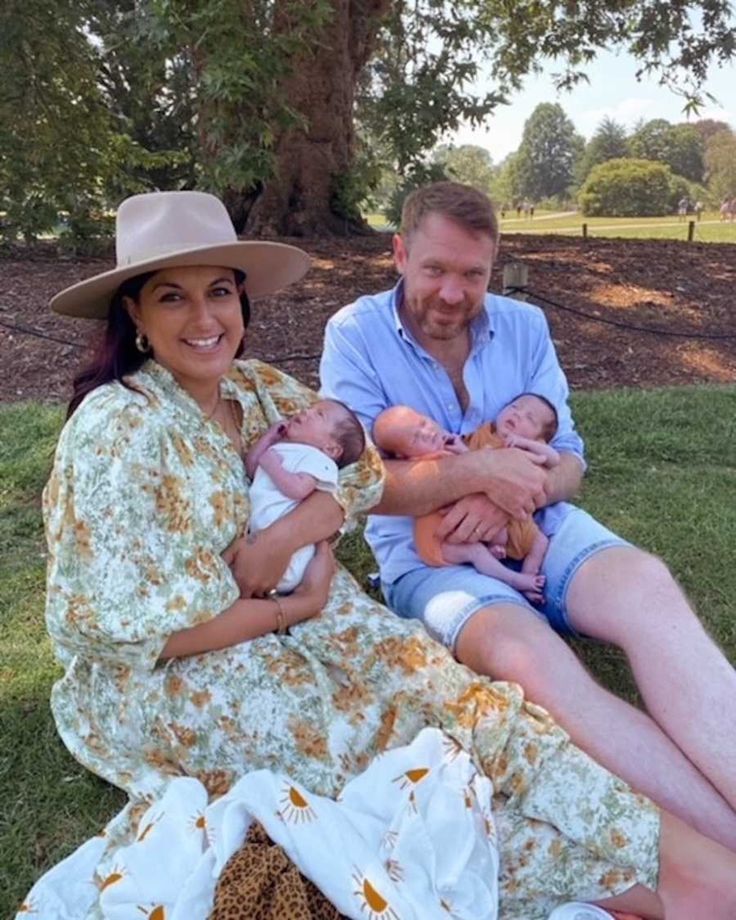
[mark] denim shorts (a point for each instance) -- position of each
(445, 598)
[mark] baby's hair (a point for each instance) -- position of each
(349, 434)
(550, 428)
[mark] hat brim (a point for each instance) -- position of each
(269, 267)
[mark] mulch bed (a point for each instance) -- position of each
(666, 285)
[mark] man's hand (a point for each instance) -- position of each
(473, 519)
(516, 480)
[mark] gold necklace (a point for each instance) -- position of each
(210, 415)
(235, 434)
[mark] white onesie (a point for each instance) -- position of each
(268, 503)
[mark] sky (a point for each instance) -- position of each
(613, 90)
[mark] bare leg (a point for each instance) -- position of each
(697, 878)
(509, 642)
(628, 597)
(481, 558)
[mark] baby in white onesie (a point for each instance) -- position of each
(294, 458)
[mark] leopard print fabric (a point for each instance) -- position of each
(259, 882)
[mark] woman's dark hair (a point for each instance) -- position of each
(115, 355)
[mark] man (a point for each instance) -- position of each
(441, 344)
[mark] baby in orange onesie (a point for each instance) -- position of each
(528, 422)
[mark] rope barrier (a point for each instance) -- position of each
(650, 330)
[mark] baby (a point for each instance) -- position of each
(294, 458)
(528, 422)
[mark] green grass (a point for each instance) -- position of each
(662, 469)
(710, 229)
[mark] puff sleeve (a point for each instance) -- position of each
(134, 535)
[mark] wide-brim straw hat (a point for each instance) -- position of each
(165, 229)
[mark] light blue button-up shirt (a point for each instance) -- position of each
(371, 361)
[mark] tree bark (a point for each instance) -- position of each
(311, 161)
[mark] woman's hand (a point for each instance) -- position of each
(257, 562)
(318, 575)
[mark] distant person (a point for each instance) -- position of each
(518, 209)
(528, 422)
(698, 208)
(291, 461)
(531, 210)
(682, 206)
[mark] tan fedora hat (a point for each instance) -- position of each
(162, 229)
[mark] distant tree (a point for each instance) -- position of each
(707, 127)
(680, 146)
(686, 152)
(627, 188)
(650, 140)
(609, 142)
(549, 151)
(468, 163)
(720, 160)
(505, 185)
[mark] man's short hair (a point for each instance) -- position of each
(349, 434)
(467, 206)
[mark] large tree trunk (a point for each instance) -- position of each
(310, 162)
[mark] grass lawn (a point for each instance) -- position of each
(710, 229)
(662, 473)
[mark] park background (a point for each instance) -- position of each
(312, 119)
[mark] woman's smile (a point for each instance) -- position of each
(193, 320)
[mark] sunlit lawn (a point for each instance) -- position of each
(710, 229)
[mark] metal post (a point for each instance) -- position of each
(515, 276)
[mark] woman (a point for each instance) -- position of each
(177, 661)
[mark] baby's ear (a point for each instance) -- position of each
(333, 449)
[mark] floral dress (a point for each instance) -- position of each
(144, 496)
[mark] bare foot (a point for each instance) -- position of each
(531, 586)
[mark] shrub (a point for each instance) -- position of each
(627, 188)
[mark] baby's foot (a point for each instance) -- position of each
(532, 586)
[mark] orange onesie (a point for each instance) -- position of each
(522, 534)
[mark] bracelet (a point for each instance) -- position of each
(281, 624)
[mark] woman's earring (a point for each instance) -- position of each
(142, 343)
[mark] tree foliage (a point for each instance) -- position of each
(609, 142)
(679, 146)
(549, 153)
(288, 108)
(467, 163)
(720, 158)
(627, 188)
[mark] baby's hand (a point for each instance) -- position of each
(454, 444)
(274, 434)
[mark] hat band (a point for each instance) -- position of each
(156, 252)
